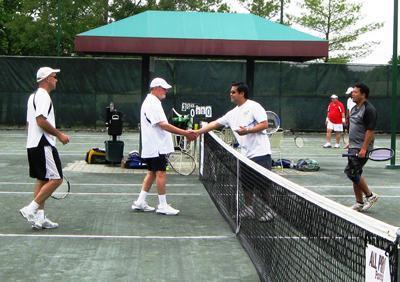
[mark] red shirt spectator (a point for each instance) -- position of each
(335, 111)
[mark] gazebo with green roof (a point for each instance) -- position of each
(200, 34)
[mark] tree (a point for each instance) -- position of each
(8, 10)
(264, 8)
(124, 8)
(29, 27)
(3, 41)
(391, 60)
(338, 22)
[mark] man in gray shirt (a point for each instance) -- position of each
(361, 140)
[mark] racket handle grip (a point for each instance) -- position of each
(349, 155)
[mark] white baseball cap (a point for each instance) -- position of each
(349, 90)
(159, 82)
(333, 96)
(44, 72)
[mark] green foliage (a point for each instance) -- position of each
(391, 60)
(3, 41)
(124, 8)
(338, 22)
(264, 8)
(31, 26)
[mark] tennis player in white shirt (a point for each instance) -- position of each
(248, 121)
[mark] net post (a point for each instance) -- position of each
(392, 164)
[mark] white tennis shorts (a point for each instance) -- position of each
(337, 127)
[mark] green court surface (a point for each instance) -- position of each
(101, 239)
(331, 181)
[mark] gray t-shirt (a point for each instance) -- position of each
(362, 118)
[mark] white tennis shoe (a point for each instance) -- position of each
(167, 210)
(31, 216)
(48, 224)
(370, 202)
(247, 212)
(357, 206)
(136, 206)
(327, 145)
(268, 215)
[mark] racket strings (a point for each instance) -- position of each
(62, 191)
(382, 154)
(274, 122)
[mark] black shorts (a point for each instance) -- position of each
(264, 161)
(354, 168)
(248, 183)
(44, 163)
(157, 164)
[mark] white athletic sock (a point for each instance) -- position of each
(33, 206)
(162, 199)
(142, 196)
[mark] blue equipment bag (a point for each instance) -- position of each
(135, 161)
(284, 163)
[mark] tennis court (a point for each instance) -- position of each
(101, 239)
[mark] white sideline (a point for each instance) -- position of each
(349, 186)
(88, 236)
(102, 184)
(105, 193)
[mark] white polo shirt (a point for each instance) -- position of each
(155, 140)
(350, 104)
(248, 115)
(35, 132)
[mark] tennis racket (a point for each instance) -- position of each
(176, 113)
(181, 162)
(62, 191)
(298, 140)
(378, 154)
(274, 122)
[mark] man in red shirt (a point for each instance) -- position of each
(334, 121)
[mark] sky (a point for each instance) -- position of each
(379, 11)
(371, 11)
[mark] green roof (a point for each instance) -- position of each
(165, 33)
(200, 25)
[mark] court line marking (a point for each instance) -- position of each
(103, 184)
(83, 143)
(169, 194)
(105, 193)
(350, 187)
(97, 135)
(217, 237)
(60, 150)
(24, 154)
(348, 196)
